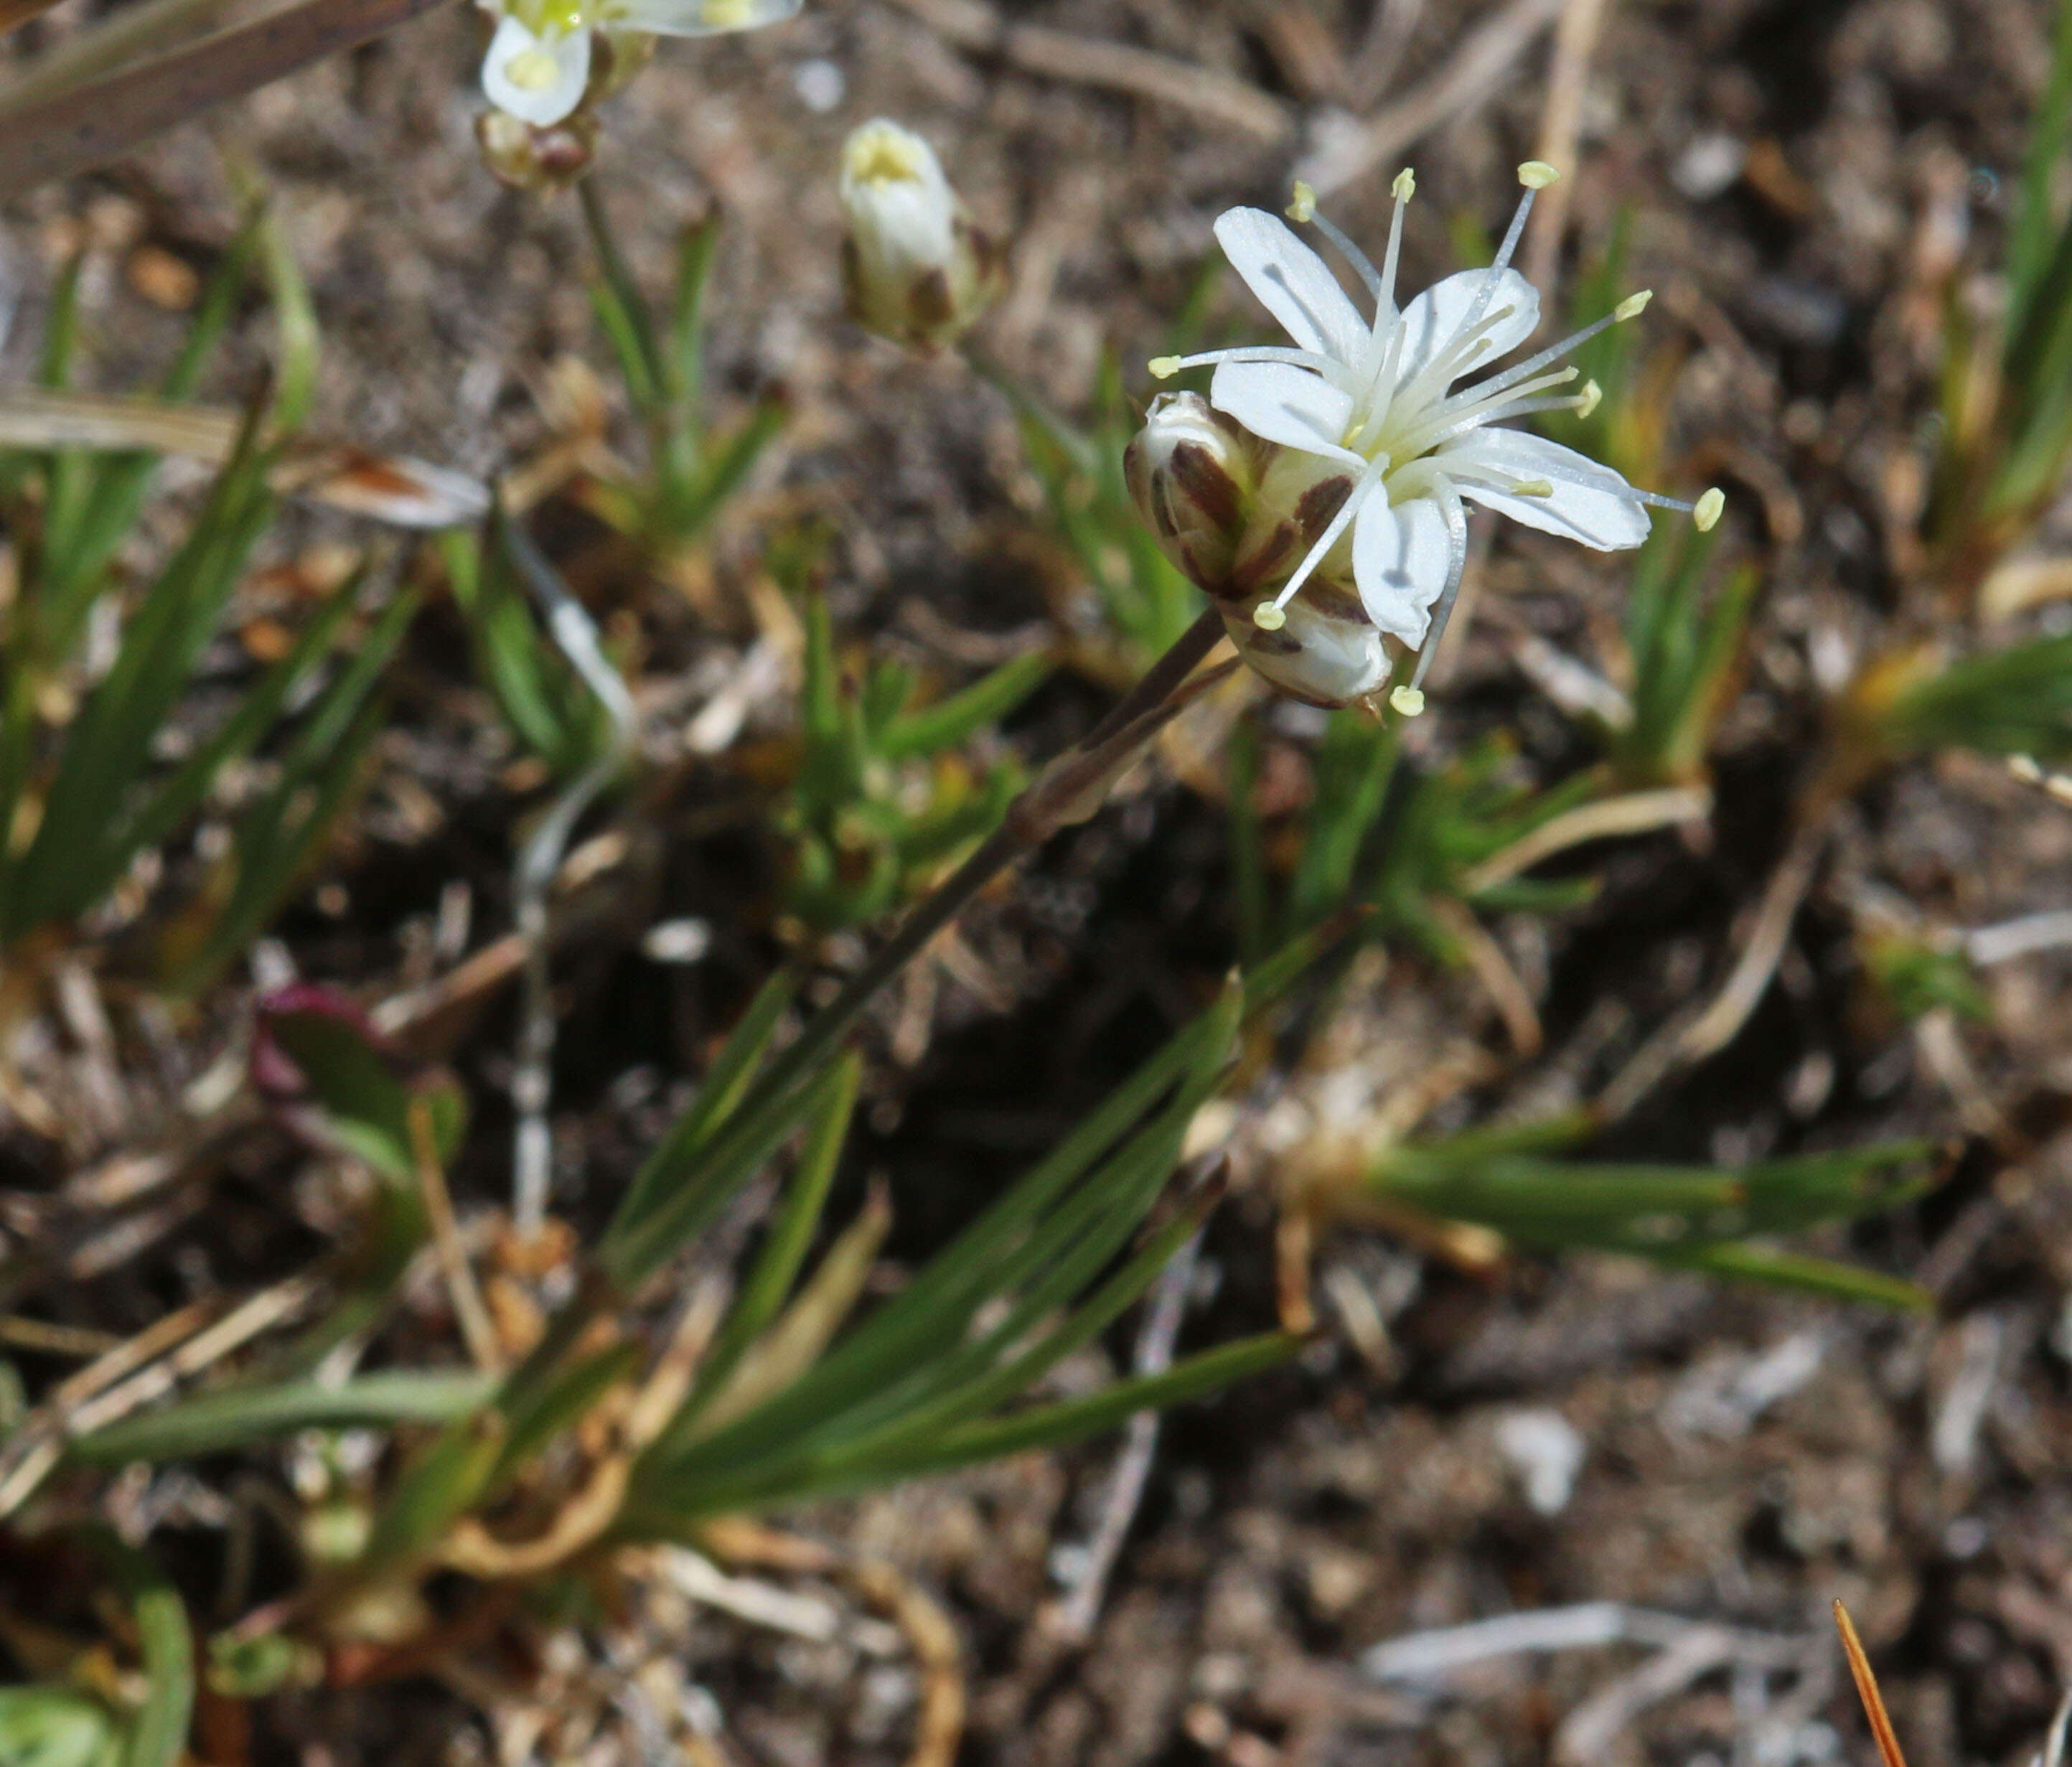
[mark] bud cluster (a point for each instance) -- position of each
(1236, 514)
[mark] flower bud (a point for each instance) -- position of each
(1237, 516)
(528, 157)
(1189, 470)
(915, 270)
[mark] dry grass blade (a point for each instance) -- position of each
(1062, 55)
(1867, 1690)
(19, 12)
(97, 122)
(1468, 78)
(392, 488)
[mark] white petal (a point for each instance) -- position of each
(700, 17)
(1400, 556)
(539, 81)
(1279, 402)
(1294, 284)
(1592, 510)
(1434, 320)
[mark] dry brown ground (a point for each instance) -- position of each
(1746, 1457)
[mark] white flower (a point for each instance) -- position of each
(915, 268)
(538, 63)
(1375, 399)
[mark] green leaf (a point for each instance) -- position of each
(948, 722)
(108, 745)
(784, 1250)
(1810, 1275)
(51, 1727)
(243, 1416)
(726, 1082)
(616, 297)
(158, 1733)
(2050, 132)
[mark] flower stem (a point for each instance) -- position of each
(1056, 798)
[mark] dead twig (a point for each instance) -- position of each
(940, 1725)
(1636, 812)
(1133, 1469)
(1058, 54)
(1561, 121)
(1685, 1041)
(1467, 79)
(104, 118)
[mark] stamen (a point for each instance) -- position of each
(1586, 401)
(1537, 175)
(1303, 208)
(1533, 186)
(1466, 411)
(1329, 538)
(1406, 700)
(1456, 535)
(1705, 512)
(1163, 367)
(1268, 618)
(1625, 310)
(1533, 487)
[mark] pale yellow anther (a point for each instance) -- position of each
(1268, 618)
(1408, 700)
(1533, 487)
(1405, 185)
(532, 70)
(1588, 399)
(1634, 305)
(1537, 175)
(1706, 511)
(1304, 207)
(1163, 367)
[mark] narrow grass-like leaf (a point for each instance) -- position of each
(620, 309)
(2035, 227)
(784, 1250)
(1810, 1275)
(158, 1732)
(1045, 1427)
(726, 1082)
(950, 721)
(241, 1417)
(108, 745)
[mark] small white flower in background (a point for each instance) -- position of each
(538, 65)
(1368, 451)
(915, 270)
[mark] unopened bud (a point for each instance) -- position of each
(1634, 305)
(1322, 659)
(916, 270)
(1190, 473)
(1707, 509)
(1537, 175)
(529, 156)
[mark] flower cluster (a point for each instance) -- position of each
(1317, 493)
(539, 63)
(915, 270)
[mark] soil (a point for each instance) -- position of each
(1740, 1457)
